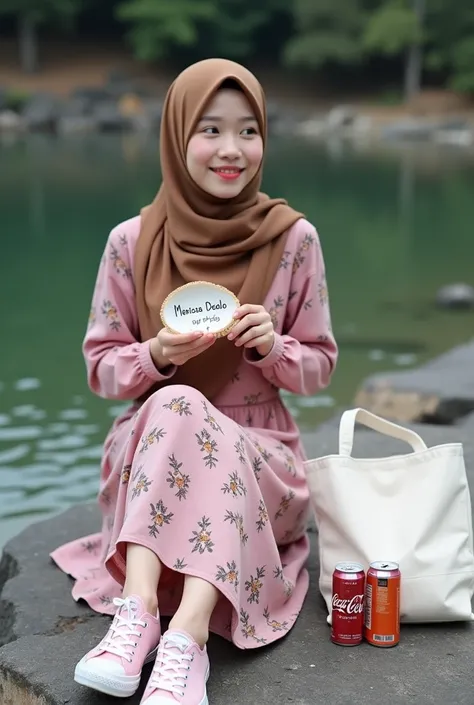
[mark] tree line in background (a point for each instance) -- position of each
(433, 38)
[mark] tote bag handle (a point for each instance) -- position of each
(388, 428)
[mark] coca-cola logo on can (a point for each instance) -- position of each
(353, 606)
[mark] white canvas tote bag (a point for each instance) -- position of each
(414, 509)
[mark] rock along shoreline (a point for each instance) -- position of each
(124, 104)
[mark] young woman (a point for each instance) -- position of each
(202, 491)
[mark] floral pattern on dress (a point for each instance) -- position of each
(289, 459)
(235, 486)
(228, 574)
(151, 437)
(119, 263)
(92, 547)
(284, 504)
(254, 585)
(278, 305)
(125, 475)
(160, 516)
(262, 516)
(177, 479)
(239, 446)
(285, 260)
(264, 452)
(301, 253)
(208, 446)
(252, 399)
(110, 311)
(202, 538)
(142, 485)
(237, 520)
(248, 630)
(211, 419)
(274, 625)
(257, 464)
(179, 405)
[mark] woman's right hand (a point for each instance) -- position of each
(177, 348)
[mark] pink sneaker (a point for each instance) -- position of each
(180, 672)
(114, 666)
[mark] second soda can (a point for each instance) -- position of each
(382, 604)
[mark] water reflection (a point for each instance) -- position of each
(46, 466)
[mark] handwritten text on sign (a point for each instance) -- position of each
(179, 311)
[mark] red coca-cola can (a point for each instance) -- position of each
(348, 588)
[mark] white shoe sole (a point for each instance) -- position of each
(205, 700)
(109, 683)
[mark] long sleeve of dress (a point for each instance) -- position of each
(118, 365)
(304, 354)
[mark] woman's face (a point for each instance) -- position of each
(226, 148)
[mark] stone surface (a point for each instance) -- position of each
(467, 422)
(48, 632)
(11, 121)
(409, 129)
(441, 391)
(341, 116)
(41, 112)
(456, 296)
(91, 94)
(68, 124)
(108, 117)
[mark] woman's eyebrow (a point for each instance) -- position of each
(216, 118)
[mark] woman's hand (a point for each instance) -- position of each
(177, 348)
(254, 329)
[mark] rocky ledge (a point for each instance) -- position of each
(44, 632)
(441, 391)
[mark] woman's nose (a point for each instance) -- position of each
(229, 148)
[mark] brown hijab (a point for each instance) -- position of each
(187, 234)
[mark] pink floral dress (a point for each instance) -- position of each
(216, 490)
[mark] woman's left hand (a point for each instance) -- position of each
(254, 329)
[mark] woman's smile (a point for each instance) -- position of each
(228, 173)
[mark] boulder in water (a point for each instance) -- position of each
(456, 296)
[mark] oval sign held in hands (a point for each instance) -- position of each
(199, 306)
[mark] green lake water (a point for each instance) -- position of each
(394, 228)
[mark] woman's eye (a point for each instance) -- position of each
(249, 131)
(210, 131)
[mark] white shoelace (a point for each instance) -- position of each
(171, 668)
(118, 639)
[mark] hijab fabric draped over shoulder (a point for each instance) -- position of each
(188, 235)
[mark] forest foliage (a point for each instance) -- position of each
(424, 38)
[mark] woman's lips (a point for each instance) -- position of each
(227, 173)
